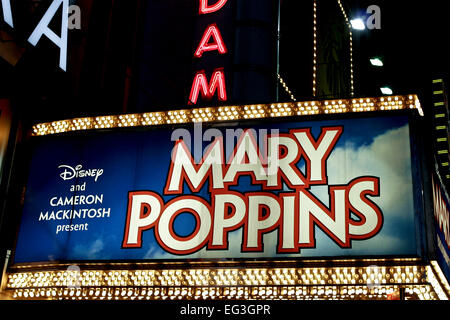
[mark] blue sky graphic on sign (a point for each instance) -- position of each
(116, 196)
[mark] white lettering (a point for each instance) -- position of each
(256, 225)
(138, 219)
(223, 224)
(333, 220)
(182, 163)
(78, 172)
(7, 15)
(43, 29)
(318, 152)
(196, 240)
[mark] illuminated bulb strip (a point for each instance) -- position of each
(281, 110)
(286, 88)
(257, 283)
(333, 106)
(222, 293)
(252, 112)
(228, 113)
(231, 113)
(314, 84)
(308, 108)
(438, 281)
(352, 80)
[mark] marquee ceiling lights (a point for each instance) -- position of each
(370, 282)
(231, 113)
(286, 88)
(421, 292)
(315, 49)
(349, 26)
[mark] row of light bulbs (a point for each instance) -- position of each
(220, 277)
(315, 49)
(231, 113)
(347, 20)
(422, 292)
(286, 88)
(372, 282)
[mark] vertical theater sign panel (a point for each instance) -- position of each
(442, 225)
(265, 190)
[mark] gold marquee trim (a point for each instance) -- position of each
(230, 113)
(419, 281)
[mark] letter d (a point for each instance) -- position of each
(205, 8)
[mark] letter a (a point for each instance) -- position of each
(218, 44)
(7, 15)
(200, 82)
(374, 21)
(42, 28)
(205, 8)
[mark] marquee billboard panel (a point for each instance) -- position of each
(271, 190)
(442, 224)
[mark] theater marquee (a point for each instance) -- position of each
(271, 190)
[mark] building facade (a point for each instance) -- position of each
(161, 153)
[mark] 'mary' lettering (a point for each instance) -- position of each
(246, 159)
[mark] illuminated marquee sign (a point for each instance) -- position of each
(211, 41)
(278, 189)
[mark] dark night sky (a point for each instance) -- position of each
(414, 40)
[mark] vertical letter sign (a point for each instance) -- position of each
(211, 41)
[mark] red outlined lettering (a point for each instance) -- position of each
(295, 215)
(322, 216)
(227, 221)
(262, 225)
(206, 8)
(289, 173)
(238, 163)
(142, 211)
(200, 85)
(367, 210)
(212, 31)
(288, 233)
(316, 168)
(166, 236)
(211, 168)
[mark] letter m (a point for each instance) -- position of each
(182, 168)
(200, 85)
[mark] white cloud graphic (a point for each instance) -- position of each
(91, 251)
